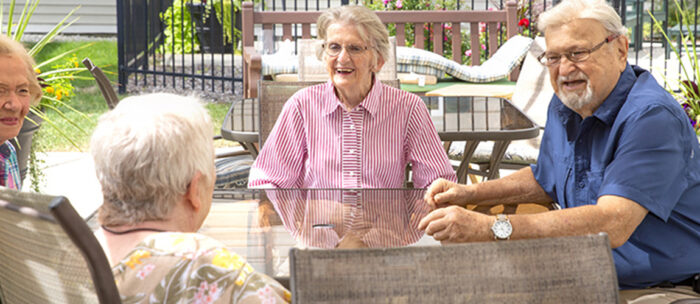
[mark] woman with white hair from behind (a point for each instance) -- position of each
(154, 157)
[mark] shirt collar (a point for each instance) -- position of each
(371, 103)
(608, 110)
(5, 150)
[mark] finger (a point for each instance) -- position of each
(436, 187)
(447, 197)
(429, 218)
(438, 225)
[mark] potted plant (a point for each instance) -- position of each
(54, 75)
(688, 95)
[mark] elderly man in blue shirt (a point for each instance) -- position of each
(618, 154)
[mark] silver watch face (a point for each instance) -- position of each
(502, 229)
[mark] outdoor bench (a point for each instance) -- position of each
(252, 59)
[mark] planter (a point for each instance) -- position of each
(210, 31)
(25, 141)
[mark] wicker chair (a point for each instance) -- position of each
(576, 269)
(49, 255)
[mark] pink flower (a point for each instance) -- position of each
(386, 2)
(482, 27)
(145, 271)
(468, 53)
(399, 4)
(483, 47)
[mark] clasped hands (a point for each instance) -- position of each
(450, 222)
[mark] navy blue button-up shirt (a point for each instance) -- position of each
(639, 145)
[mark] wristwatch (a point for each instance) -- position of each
(501, 228)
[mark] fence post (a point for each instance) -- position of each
(121, 69)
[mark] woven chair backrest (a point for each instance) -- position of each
(575, 269)
(40, 262)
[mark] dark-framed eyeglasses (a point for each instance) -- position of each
(334, 49)
(552, 59)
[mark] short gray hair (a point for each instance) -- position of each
(365, 20)
(569, 10)
(146, 152)
(12, 48)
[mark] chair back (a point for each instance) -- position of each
(577, 269)
(49, 255)
(103, 83)
(311, 68)
(273, 94)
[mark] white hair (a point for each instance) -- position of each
(569, 10)
(146, 152)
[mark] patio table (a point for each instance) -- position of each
(468, 119)
(262, 225)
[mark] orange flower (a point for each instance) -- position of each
(49, 90)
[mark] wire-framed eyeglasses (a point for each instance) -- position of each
(552, 59)
(334, 49)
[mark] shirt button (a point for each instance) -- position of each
(352, 151)
(581, 185)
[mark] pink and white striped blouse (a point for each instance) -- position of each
(317, 143)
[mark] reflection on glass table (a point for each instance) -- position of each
(265, 224)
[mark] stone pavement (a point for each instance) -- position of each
(71, 174)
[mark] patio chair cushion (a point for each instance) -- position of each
(518, 153)
(232, 172)
(497, 67)
(284, 61)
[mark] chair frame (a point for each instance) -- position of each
(103, 83)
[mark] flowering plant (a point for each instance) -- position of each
(688, 95)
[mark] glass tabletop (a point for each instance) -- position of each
(262, 225)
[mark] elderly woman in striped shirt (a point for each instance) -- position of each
(352, 131)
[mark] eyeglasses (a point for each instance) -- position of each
(334, 49)
(552, 59)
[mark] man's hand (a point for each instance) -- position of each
(455, 224)
(443, 193)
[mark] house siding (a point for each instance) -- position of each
(95, 16)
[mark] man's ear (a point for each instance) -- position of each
(192, 196)
(622, 46)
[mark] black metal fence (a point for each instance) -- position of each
(188, 45)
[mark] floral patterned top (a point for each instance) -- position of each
(173, 267)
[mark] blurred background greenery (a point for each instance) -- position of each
(88, 99)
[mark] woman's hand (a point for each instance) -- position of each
(443, 193)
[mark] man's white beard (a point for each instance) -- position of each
(571, 99)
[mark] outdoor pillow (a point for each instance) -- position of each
(518, 152)
(497, 67)
(284, 61)
(232, 172)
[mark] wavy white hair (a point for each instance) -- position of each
(146, 152)
(569, 10)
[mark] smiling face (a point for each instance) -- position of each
(583, 86)
(14, 96)
(351, 74)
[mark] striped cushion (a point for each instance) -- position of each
(499, 66)
(232, 172)
(517, 153)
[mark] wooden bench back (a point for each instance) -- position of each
(414, 19)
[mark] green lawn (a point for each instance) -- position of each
(88, 99)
